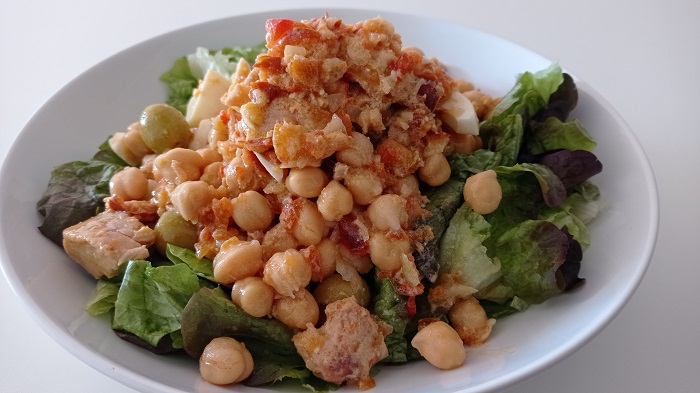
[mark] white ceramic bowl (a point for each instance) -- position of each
(111, 95)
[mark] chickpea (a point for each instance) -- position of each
(200, 138)
(253, 296)
(218, 133)
(190, 197)
(465, 143)
(364, 185)
(336, 287)
(361, 263)
(482, 192)
(359, 154)
(237, 260)
(277, 239)
(178, 165)
(129, 184)
(225, 361)
(210, 174)
(252, 211)
(129, 145)
(209, 156)
(298, 311)
(407, 186)
(171, 228)
(435, 171)
(287, 272)
(328, 253)
(335, 201)
(306, 182)
(386, 252)
(388, 213)
(310, 227)
(440, 345)
(470, 321)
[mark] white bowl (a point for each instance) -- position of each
(111, 95)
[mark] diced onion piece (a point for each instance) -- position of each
(458, 112)
(275, 171)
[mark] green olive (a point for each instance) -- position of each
(335, 288)
(164, 127)
(172, 228)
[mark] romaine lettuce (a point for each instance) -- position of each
(151, 299)
(462, 253)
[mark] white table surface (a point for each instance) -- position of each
(643, 56)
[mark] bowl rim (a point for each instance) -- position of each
(142, 383)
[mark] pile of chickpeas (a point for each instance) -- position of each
(270, 270)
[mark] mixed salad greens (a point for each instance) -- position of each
(525, 252)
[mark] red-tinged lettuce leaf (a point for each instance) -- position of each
(569, 270)
(561, 102)
(531, 253)
(572, 167)
(553, 190)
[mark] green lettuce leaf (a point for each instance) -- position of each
(103, 300)
(462, 251)
(584, 202)
(553, 134)
(504, 132)
(390, 307)
(151, 299)
(201, 267)
(210, 313)
(75, 193)
(223, 61)
(442, 203)
(181, 83)
(530, 93)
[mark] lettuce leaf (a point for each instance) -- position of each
(504, 132)
(151, 299)
(462, 252)
(442, 203)
(103, 300)
(210, 314)
(573, 167)
(201, 267)
(390, 307)
(553, 189)
(530, 94)
(184, 76)
(75, 192)
(223, 61)
(553, 134)
(530, 255)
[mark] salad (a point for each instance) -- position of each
(327, 202)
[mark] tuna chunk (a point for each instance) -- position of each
(346, 346)
(104, 242)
